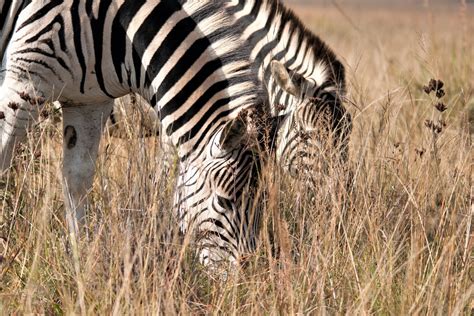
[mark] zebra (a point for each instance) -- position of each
(312, 139)
(185, 58)
(304, 84)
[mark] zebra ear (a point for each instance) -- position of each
(283, 78)
(233, 134)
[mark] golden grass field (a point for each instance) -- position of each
(398, 240)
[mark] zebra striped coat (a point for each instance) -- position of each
(304, 84)
(185, 59)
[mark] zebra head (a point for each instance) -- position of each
(314, 133)
(215, 195)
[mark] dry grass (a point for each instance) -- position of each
(398, 240)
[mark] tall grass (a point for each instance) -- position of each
(397, 240)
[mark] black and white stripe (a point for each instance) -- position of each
(316, 77)
(185, 58)
(305, 85)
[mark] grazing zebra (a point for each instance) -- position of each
(184, 58)
(304, 84)
(313, 137)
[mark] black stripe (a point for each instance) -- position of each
(3, 15)
(299, 41)
(38, 62)
(207, 70)
(77, 31)
(97, 26)
(144, 36)
(41, 13)
(249, 18)
(207, 129)
(44, 53)
(22, 71)
(238, 7)
(263, 32)
(62, 40)
(198, 105)
(168, 47)
(119, 38)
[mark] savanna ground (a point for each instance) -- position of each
(397, 240)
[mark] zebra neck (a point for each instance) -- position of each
(275, 33)
(194, 70)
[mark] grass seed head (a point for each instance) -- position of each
(435, 85)
(440, 106)
(420, 151)
(37, 101)
(13, 105)
(440, 93)
(435, 127)
(25, 96)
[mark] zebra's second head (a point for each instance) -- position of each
(314, 132)
(215, 195)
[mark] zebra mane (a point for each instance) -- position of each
(322, 53)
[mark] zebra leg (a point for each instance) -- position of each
(18, 111)
(83, 125)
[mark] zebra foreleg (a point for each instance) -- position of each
(82, 127)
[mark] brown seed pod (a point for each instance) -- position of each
(37, 101)
(440, 93)
(440, 106)
(435, 127)
(434, 85)
(25, 96)
(13, 105)
(429, 123)
(420, 151)
(439, 84)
